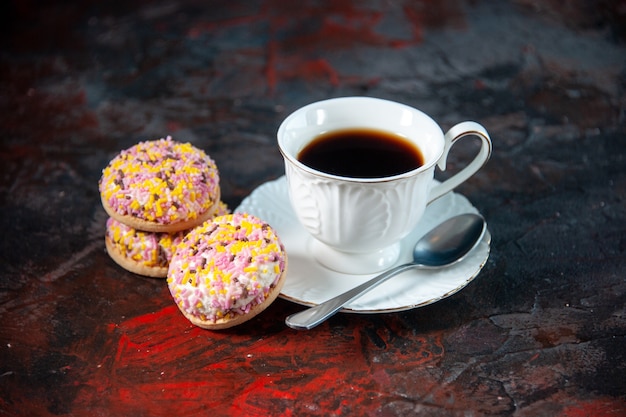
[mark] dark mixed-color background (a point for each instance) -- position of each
(540, 332)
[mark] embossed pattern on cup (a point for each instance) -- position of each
(357, 217)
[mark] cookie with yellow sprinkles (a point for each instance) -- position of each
(227, 271)
(144, 253)
(160, 186)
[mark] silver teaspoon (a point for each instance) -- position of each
(446, 244)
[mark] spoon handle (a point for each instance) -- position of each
(311, 317)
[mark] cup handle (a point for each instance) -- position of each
(451, 137)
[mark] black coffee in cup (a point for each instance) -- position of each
(361, 153)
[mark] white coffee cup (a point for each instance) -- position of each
(357, 223)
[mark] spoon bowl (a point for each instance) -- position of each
(450, 241)
(446, 244)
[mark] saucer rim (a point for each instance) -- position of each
(472, 277)
(250, 202)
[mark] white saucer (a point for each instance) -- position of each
(309, 283)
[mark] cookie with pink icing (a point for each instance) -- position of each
(144, 253)
(160, 186)
(227, 271)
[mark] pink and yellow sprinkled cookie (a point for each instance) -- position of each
(227, 271)
(144, 253)
(160, 186)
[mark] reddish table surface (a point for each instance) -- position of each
(540, 332)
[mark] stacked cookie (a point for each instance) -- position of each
(167, 220)
(154, 192)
